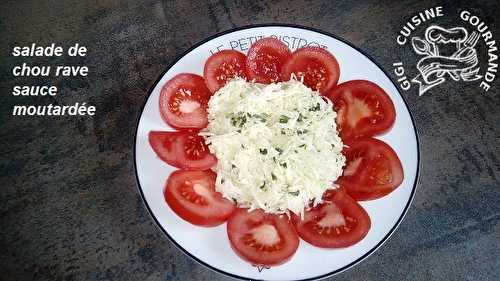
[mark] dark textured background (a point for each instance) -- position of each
(70, 209)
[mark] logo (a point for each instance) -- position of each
(446, 54)
(435, 67)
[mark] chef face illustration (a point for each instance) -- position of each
(447, 53)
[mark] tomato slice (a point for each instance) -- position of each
(372, 169)
(185, 150)
(183, 101)
(192, 196)
(260, 238)
(265, 60)
(223, 66)
(318, 67)
(363, 108)
(337, 223)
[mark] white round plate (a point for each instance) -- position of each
(210, 246)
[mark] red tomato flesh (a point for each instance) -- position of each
(363, 108)
(318, 67)
(260, 238)
(338, 222)
(192, 196)
(185, 150)
(372, 170)
(265, 60)
(183, 101)
(223, 66)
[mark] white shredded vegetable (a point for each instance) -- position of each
(277, 145)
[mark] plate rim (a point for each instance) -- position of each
(234, 29)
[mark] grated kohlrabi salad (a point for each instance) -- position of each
(277, 145)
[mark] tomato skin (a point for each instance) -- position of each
(223, 66)
(190, 89)
(241, 226)
(265, 60)
(356, 222)
(209, 209)
(364, 109)
(372, 170)
(171, 148)
(318, 67)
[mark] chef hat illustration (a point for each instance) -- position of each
(437, 34)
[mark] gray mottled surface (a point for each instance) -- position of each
(70, 209)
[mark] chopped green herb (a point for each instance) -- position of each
(300, 118)
(284, 119)
(300, 132)
(279, 150)
(239, 120)
(274, 159)
(303, 145)
(283, 132)
(273, 176)
(263, 185)
(263, 151)
(315, 108)
(233, 166)
(283, 164)
(239, 131)
(294, 193)
(222, 181)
